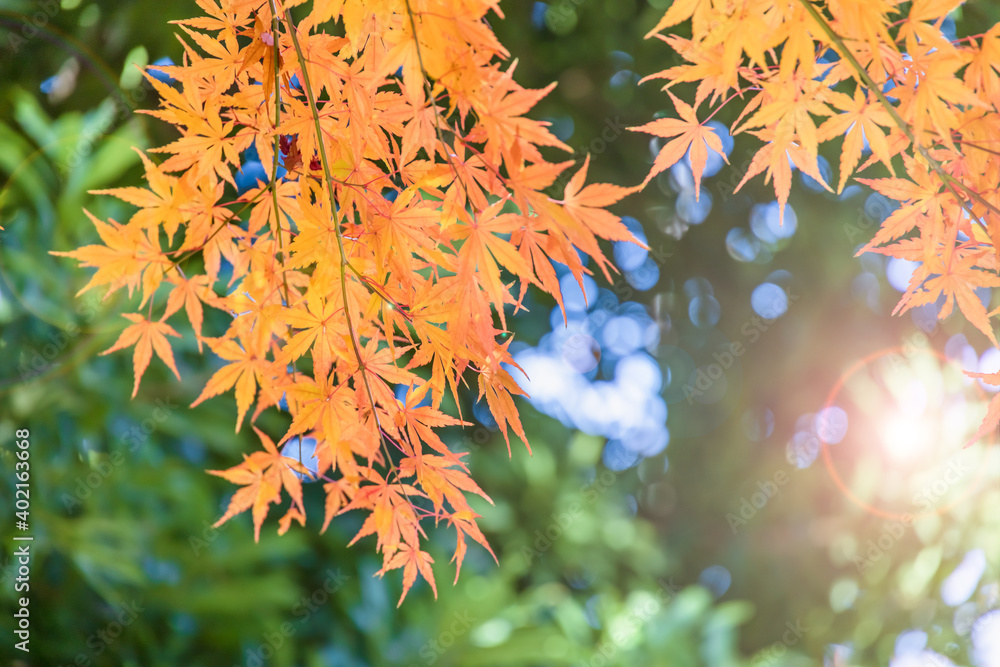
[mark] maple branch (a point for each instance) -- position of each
(975, 145)
(273, 185)
(437, 116)
(738, 93)
(406, 258)
(947, 179)
(194, 251)
(377, 289)
(325, 163)
(430, 98)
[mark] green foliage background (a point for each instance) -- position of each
(121, 505)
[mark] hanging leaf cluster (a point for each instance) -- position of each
(407, 208)
(878, 76)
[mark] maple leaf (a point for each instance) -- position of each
(864, 20)
(484, 247)
(691, 135)
(863, 120)
(128, 258)
(293, 514)
(336, 498)
(261, 51)
(206, 146)
(499, 395)
(323, 404)
(785, 114)
(679, 11)
(956, 281)
(322, 328)
(247, 368)
(162, 204)
(924, 195)
(587, 206)
(774, 160)
(981, 74)
(464, 522)
(440, 480)
(262, 476)
(502, 111)
(992, 419)
(420, 421)
(933, 92)
(412, 560)
(392, 519)
(147, 336)
(915, 30)
(415, 198)
(189, 293)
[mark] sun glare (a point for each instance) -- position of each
(906, 438)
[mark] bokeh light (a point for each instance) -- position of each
(767, 224)
(757, 424)
(962, 582)
(769, 301)
(694, 210)
(899, 271)
(986, 639)
(302, 450)
(630, 256)
(594, 371)
(742, 245)
(704, 311)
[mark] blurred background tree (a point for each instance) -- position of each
(677, 509)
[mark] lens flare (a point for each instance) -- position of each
(906, 439)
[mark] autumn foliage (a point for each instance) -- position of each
(410, 214)
(876, 75)
(409, 206)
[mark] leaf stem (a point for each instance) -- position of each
(947, 179)
(325, 163)
(273, 185)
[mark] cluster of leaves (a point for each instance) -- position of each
(879, 73)
(405, 213)
(408, 209)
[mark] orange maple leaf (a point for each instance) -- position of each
(263, 475)
(147, 336)
(248, 367)
(412, 560)
(992, 418)
(691, 134)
